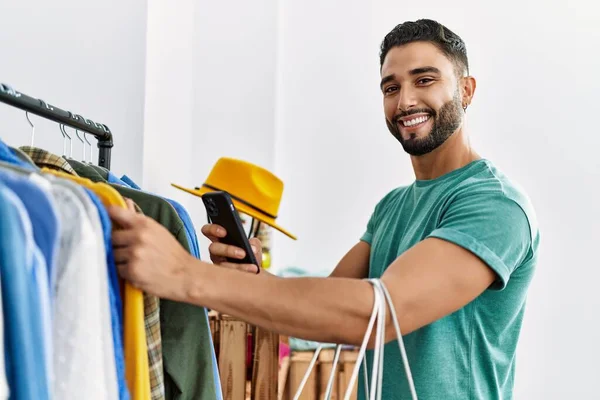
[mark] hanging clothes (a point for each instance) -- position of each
(45, 234)
(9, 157)
(136, 351)
(23, 343)
(195, 251)
(151, 303)
(43, 158)
(82, 307)
(4, 391)
(21, 155)
(186, 337)
(116, 305)
(76, 329)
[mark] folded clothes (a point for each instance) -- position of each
(306, 345)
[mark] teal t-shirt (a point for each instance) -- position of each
(469, 354)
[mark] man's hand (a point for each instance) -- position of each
(219, 252)
(147, 255)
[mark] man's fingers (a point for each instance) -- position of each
(225, 250)
(213, 230)
(256, 247)
(130, 204)
(121, 216)
(123, 238)
(121, 256)
(241, 267)
(212, 238)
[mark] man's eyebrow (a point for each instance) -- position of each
(412, 72)
(424, 70)
(386, 79)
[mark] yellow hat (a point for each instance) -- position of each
(254, 190)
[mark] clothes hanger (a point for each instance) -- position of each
(85, 137)
(64, 133)
(82, 144)
(64, 140)
(32, 127)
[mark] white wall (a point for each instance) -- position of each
(84, 57)
(211, 93)
(168, 139)
(338, 159)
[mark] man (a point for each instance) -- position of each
(457, 248)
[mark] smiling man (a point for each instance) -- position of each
(457, 248)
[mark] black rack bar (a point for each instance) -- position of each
(39, 107)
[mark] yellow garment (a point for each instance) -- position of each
(134, 342)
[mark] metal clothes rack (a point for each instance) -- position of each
(39, 107)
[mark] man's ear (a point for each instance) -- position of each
(468, 85)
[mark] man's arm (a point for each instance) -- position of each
(355, 264)
(431, 280)
(427, 282)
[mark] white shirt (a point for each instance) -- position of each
(84, 364)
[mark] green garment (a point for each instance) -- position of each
(469, 354)
(185, 334)
(103, 172)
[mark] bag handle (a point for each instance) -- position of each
(382, 298)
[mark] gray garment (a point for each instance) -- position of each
(23, 156)
(81, 305)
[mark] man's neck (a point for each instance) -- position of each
(455, 153)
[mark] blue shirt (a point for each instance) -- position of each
(24, 346)
(44, 220)
(116, 304)
(42, 212)
(8, 156)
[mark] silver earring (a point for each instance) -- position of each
(465, 107)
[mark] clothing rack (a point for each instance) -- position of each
(39, 107)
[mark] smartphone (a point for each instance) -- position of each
(221, 211)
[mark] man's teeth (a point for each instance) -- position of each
(415, 121)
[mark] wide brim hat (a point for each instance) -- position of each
(254, 190)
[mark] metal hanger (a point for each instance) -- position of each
(64, 140)
(85, 137)
(66, 135)
(82, 143)
(32, 127)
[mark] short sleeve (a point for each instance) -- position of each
(490, 225)
(368, 234)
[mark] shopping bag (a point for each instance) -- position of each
(382, 297)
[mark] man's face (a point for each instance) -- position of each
(422, 100)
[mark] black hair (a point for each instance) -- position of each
(427, 30)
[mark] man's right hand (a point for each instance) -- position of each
(219, 252)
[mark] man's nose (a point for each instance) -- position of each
(406, 100)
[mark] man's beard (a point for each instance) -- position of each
(445, 123)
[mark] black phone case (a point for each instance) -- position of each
(221, 211)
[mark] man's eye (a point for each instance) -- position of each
(424, 81)
(390, 89)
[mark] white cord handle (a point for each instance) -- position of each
(382, 297)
